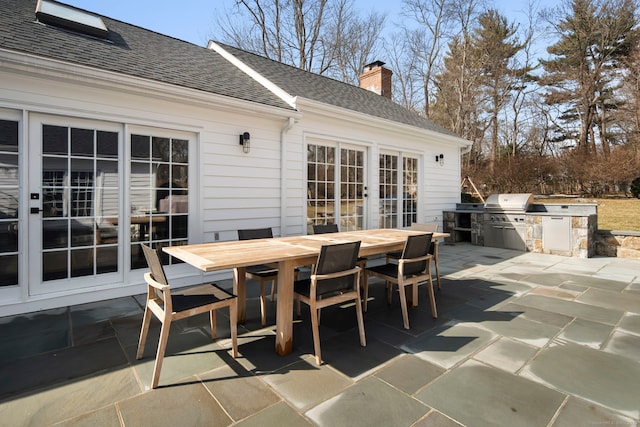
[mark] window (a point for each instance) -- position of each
(391, 167)
(159, 195)
(388, 191)
(80, 202)
(321, 185)
(9, 226)
(71, 18)
(324, 204)
(409, 191)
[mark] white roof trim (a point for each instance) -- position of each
(268, 84)
(305, 104)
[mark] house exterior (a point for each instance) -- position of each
(112, 135)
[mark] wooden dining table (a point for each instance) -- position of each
(287, 253)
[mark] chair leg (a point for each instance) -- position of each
(143, 333)
(365, 290)
(389, 286)
(263, 305)
(403, 306)
(435, 261)
(273, 289)
(212, 323)
(162, 346)
(233, 320)
(432, 298)
(315, 326)
(363, 339)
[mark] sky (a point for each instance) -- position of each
(192, 20)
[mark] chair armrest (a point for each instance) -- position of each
(336, 274)
(152, 282)
(403, 261)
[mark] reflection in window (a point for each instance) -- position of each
(390, 169)
(329, 202)
(409, 191)
(9, 226)
(80, 202)
(159, 195)
(320, 185)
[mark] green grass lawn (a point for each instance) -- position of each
(613, 214)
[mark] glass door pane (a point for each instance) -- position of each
(80, 206)
(335, 187)
(9, 202)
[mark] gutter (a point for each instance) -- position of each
(283, 182)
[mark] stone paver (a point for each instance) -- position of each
(521, 339)
(607, 379)
(491, 397)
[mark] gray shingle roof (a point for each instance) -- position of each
(130, 50)
(301, 83)
(138, 52)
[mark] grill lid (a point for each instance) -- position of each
(517, 202)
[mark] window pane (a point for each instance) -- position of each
(82, 142)
(55, 140)
(180, 176)
(54, 265)
(8, 270)
(8, 169)
(140, 146)
(180, 151)
(8, 203)
(55, 234)
(160, 149)
(107, 260)
(81, 262)
(107, 143)
(8, 136)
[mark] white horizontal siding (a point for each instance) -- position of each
(232, 190)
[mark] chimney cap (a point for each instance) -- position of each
(373, 65)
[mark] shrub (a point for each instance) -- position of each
(635, 187)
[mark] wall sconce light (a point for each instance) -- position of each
(440, 158)
(245, 141)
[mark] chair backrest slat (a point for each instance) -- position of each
(333, 259)
(415, 247)
(431, 228)
(155, 266)
(255, 233)
(325, 228)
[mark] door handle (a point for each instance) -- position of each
(35, 210)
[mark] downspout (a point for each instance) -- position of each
(283, 182)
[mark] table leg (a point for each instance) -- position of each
(240, 289)
(284, 308)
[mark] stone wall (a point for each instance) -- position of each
(621, 244)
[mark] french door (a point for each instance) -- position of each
(336, 188)
(75, 203)
(398, 177)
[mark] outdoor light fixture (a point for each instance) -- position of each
(440, 158)
(245, 141)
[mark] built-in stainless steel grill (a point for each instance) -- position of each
(505, 220)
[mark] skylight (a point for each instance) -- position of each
(61, 15)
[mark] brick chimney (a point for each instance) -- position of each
(377, 79)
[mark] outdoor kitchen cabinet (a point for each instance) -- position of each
(556, 233)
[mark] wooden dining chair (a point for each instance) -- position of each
(333, 228)
(325, 228)
(413, 267)
(433, 248)
(169, 306)
(335, 280)
(261, 273)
